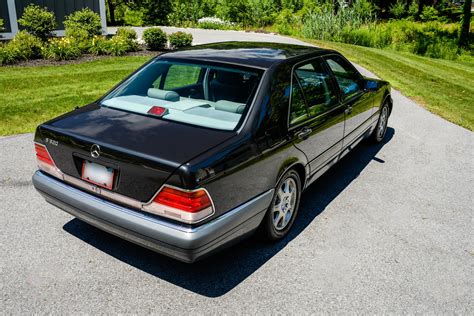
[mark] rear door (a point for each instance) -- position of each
(316, 117)
(357, 101)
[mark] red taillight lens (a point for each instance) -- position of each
(43, 155)
(181, 205)
(192, 202)
(45, 162)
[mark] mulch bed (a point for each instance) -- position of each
(83, 58)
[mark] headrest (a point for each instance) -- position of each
(163, 94)
(228, 106)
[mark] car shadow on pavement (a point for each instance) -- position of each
(220, 273)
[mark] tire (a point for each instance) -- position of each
(284, 207)
(381, 128)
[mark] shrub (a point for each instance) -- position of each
(262, 12)
(413, 9)
(118, 46)
(27, 45)
(285, 22)
(1, 25)
(8, 54)
(180, 39)
(62, 49)
(429, 13)
(155, 38)
(83, 24)
(398, 9)
(128, 37)
(127, 32)
(100, 46)
(38, 21)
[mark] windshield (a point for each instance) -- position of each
(193, 93)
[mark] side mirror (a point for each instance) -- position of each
(371, 85)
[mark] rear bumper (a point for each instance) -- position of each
(178, 241)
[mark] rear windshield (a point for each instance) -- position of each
(198, 94)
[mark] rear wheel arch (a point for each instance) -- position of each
(298, 167)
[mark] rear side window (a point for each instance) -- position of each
(181, 75)
(347, 77)
(312, 91)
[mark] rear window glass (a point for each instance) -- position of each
(198, 94)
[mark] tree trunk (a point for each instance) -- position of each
(111, 6)
(465, 24)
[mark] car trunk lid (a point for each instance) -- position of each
(143, 150)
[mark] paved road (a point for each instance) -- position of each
(201, 36)
(389, 229)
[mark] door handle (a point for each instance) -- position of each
(304, 133)
(348, 110)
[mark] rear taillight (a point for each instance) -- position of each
(45, 161)
(181, 205)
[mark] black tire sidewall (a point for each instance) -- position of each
(375, 137)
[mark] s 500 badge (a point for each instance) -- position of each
(51, 141)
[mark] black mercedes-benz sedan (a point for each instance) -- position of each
(201, 147)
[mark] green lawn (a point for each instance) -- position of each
(444, 87)
(31, 95)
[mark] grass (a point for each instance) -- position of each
(444, 87)
(32, 95)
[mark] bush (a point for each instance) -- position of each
(8, 54)
(1, 25)
(118, 46)
(180, 39)
(38, 21)
(64, 48)
(83, 24)
(429, 13)
(127, 32)
(398, 9)
(100, 46)
(262, 12)
(27, 45)
(155, 38)
(285, 22)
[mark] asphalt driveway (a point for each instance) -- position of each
(388, 230)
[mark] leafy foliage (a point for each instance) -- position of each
(8, 54)
(99, 46)
(64, 48)
(155, 38)
(429, 13)
(27, 45)
(180, 39)
(83, 24)
(127, 32)
(398, 9)
(38, 21)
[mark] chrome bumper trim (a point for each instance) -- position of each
(185, 243)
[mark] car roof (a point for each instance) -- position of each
(250, 54)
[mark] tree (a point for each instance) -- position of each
(465, 24)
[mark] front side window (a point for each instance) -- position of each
(312, 91)
(347, 77)
(197, 94)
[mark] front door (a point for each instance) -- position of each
(316, 117)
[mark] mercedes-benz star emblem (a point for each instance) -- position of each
(95, 151)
